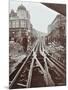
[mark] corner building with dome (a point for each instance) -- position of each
(19, 22)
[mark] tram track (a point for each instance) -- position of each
(36, 70)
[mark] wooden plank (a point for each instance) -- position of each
(19, 84)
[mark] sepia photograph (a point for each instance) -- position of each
(37, 44)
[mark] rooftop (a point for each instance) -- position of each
(21, 7)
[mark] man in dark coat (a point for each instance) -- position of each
(25, 43)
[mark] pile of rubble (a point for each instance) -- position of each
(57, 51)
(16, 54)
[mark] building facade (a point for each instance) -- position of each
(19, 22)
(57, 30)
(59, 21)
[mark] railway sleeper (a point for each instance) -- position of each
(21, 85)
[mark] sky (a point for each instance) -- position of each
(40, 15)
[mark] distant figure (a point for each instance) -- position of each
(25, 43)
(46, 40)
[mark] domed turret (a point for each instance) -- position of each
(21, 12)
(21, 7)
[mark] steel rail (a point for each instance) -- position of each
(53, 57)
(57, 68)
(44, 72)
(47, 77)
(51, 83)
(53, 63)
(16, 76)
(57, 61)
(31, 68)
(30, 74)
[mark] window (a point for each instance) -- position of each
(23, 24)
(17, 23)
(13, 24)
